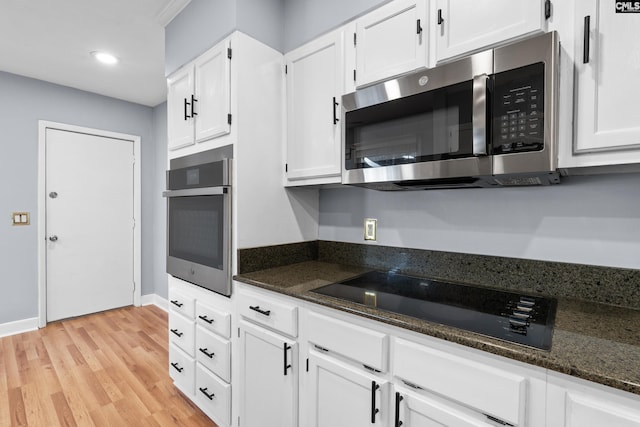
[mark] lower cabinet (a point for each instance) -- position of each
(344, 395)
(416, 410)
(268, 378)
(200, 348)
(572, 402)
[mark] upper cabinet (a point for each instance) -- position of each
(606, 87)
(315, 84)
(198, 99)
(463, 26)
(391, 40)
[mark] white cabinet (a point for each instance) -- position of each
(489, 390)
(392, 40)
(607, 88)
(572, 402)
(463, 26)
(343, 395)
(269, 379)
(315, 84)
(200, 350)
(268, 359)
(198, 99)
(416, 410)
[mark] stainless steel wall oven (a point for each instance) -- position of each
(199, 219)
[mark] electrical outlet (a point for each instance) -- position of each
(370, 226)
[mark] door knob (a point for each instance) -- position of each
(53, 238)
(53, 194)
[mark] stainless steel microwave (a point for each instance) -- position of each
(485, 120)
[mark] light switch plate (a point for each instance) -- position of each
(370, 226)
(20, 218)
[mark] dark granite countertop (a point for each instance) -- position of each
(593, 341)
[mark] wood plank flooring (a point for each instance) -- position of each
(104, 369)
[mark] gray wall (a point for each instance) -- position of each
(203, 23)
(307, 19)
(588, 220)
(23, 102)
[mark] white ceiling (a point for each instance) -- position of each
(51, 40)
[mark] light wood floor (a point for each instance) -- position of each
(105, 369)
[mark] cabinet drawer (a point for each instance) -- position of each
(270, 312)
(182, 303)
(213, 396)
(182, 333)
(490, 390)
(182, 369)
(213, 320)
(214, 353)
(355, 342)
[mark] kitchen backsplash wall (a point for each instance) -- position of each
(591, 220)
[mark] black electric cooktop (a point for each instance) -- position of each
(522, 319)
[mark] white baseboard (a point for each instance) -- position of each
(18, 327)
(156, 300)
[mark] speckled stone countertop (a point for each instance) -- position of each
(591, 340)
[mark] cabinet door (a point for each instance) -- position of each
(467, 25)
(212, 88)
(414, 410)
(179, 121)
(344, 396)
(314, 86)
(391, 40)
(607, 84)
(573, 402)
(269, 380)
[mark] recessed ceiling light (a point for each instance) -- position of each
(104, 57)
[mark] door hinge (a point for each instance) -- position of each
(134, 286)
(229, 55)
(355, 39)
(229, 119)
(134, 223)
(547, 9)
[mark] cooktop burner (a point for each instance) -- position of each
(522, 319)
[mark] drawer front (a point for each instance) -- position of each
(181, 303)
(355, 342)
(214, 353)
(182, 370)
(182, 333)
(270, 312)
(213, 319)
(213, 396)
(490, 390)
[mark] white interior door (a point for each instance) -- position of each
(89, 223)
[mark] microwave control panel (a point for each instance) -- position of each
(518, 110)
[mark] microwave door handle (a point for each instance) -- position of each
(480, 115)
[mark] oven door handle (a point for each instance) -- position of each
(207, 191)
(480, 115)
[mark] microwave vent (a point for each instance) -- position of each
(527, 180)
